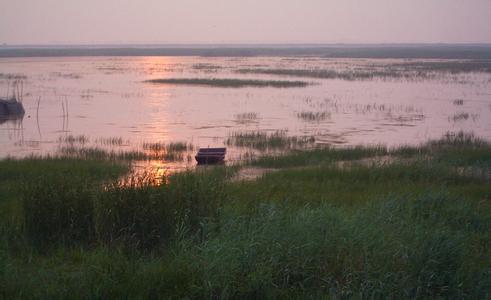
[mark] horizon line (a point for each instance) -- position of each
(293, 44)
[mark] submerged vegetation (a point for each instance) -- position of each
(417, 227)
(13, 76)
(111, 141)
(458, 102)
(403, 70)
(246, 116)
(325, 74)
(313, 116)
(206, 67)
(230, 83)
(447, 66)
(74, 139)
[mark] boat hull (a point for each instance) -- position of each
(207, 156)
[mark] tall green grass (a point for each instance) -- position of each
(397, 248)
(132, 213)
(319, 156)
(151, 151)
(417, 227)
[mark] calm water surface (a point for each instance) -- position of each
(107, 97)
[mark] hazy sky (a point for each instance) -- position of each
(244, 21)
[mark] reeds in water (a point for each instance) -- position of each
(230, 83)
(260, 140)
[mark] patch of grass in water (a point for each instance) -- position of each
(173, 151)
(110, 141)
(406, 70)
(319, 156)
(326, 74)
(13, 76)
(246, 116)
(128, 155)
(74, 139)
(313, 116)
(446, 66)
(179, 147)
(458, 102)
(263, 141)
(206, 67)
(454, 148)
(170, 147)
(231, 83)
(461, 116)
(460, 139)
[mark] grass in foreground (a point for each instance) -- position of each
(416, 228)
(230, 83)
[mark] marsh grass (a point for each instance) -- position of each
(230, 83)
(174, 151)
(313, 116)
(111, 141)
(461, 116)
(447, 66)
(74, 139)
(458, 140)
(82, 140)
(247, 116)
(60, 211)
(414, 228)
(455, 148)
(327, 74)
(419, 70)
(170, 147)
(114, 155)
(391, 112)
(143, 216)
(317, 250)
(278, 140)
(324, 155)
(206, 67)
(458, 102)
(13, 76)
(179, 147)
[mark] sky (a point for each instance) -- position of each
(44, 22)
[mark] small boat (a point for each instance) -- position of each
(11, 108)
(208, 156)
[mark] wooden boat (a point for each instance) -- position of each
(206, 156)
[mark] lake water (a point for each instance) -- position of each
(104, 97)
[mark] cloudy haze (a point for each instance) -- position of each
(239, 21)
